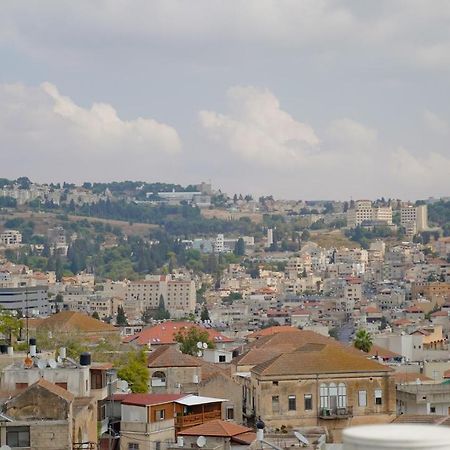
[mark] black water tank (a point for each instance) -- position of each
(85, 359)
(3, 348)
(32, 341)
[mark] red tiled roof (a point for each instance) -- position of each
(164, 333)
(218, 428)
(150, 399)
(271, 330)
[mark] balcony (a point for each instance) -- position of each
(191, 420)
(336, 413)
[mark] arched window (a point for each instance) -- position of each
(158, 378)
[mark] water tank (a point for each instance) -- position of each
(3, 348)
(85, 359)
(396, 436)
(32, 347)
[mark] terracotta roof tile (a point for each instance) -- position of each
(218, 428)
(75, 321)
(319, 359)
(164, 333)
(169, 356)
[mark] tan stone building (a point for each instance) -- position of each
(46, 416)
(321, 385)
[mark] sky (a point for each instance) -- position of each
(300, 99)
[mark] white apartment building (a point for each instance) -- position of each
(11, 238)
(364, 212)
(179, 295)
(414, 218)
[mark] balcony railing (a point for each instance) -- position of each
(336, 413)
(196, 419)
(84, 446)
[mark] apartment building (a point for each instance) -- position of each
(363, 211)
(179, 295)
(414, 218)
(11, 238)
(30, 300)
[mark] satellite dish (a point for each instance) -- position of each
(201, 441)
(5, 447)
(199, 354)
(59, 360)
(52, 363)
(199, 344)
(205, 345)
(42, 363)
(301, 438)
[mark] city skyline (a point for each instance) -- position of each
(302, 99)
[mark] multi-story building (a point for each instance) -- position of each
(30, 300)
(11, 238)
(179, 295)
(414, 218)
(364, 212)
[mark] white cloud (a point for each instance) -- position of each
(435, 123)
(42, 131)
(349, 160)
(258, 130)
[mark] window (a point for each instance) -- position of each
(432, 409)
(378, 396)
(160, 414)
(18, 436)
(230, 413)
(342, 396)
(133, 446)
(362, 398)
(222, 358)
(308, 402)
(158, 445)
(275, 404)
(324, 396)
(96, 379)
(292, 403)
(333, 396)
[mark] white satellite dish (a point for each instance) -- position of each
(199, 344)
(59, 360)
(199, 354)
(5, 447)
(42, 363)
(201, 441)
(205, 345)
(52, 363)
(301, 438)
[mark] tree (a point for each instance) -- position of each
(134, 370)
(189, 337)
(59, 300)
(162, 313)
(95, 315)
(204, 315)
(121, 318)
(239, 248)
(363, 340)
(10, 326)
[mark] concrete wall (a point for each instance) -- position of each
(132, 413)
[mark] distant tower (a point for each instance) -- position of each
(269, 237)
